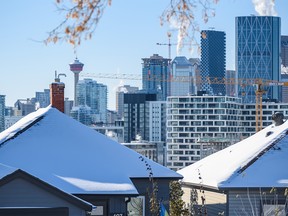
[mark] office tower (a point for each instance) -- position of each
(121, 90)
(136, 115)
(196, 64)
(200, 125)
(43, 98)
(156, 76)
(230, 86)
(157, 121)
(82, 113)
(76, 67)
(213, 60)
(257, 54)
(284, 50)
(94, 95)
(68, 104)
(183, 77)
(2, 113)
(25, 106)
(284, 66)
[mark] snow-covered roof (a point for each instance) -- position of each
(258, 161)
(72, 157)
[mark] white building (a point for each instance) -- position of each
(195, 121)
(157, 121)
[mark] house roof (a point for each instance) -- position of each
(73, 157)
(5, 179)
(258, 161)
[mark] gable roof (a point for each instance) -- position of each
(258, 161)
(73, 157)
(39, 183)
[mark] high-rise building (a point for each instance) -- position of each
(184, 77)
(257, 54)
(213, 60)
(2, 113)
(43, 98)
(156, 76)
(136, 115)
(196, 64)
(94, 95)
(230, 86)
(195, 122)
(157, 121)
(284, 50)
(68, 104)
(121, 90)
(25, 106)
(76, 67)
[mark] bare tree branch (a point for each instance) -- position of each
(82, 17)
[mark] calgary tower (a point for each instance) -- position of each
(76, 67)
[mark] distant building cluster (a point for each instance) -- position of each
(186, 108)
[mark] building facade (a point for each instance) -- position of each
(43, 98)
(284, 50)
(257, 54)
(94, 95)
(157, 121)
(136, 115)
(183, 77)
(193, 122)
(156, 75)
(2, 113)
(213, 60)
(121, 90)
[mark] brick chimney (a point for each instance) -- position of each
(57, 94)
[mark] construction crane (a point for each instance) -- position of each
(260, 84)
(168, 44)
(259, 95)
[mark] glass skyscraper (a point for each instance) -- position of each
(257, 54)
(2, 113)
(213, 60)
(156, 75)
(94, 95)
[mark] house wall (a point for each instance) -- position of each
(21, 193)
(214, 203)
(251, 201)
(142, 185)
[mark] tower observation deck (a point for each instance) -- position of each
(76, 67)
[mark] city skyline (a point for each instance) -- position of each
(119, 44)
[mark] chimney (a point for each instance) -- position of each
(57, 93)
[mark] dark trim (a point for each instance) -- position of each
(57, 211)
(252, 188)
(155, 178)
(204, 187)
(23, 130)
(44, 185)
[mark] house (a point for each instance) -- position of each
(247, 178)
(40, 197)
(80, 162)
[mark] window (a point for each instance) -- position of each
(136, 206)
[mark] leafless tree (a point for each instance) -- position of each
(82, 16)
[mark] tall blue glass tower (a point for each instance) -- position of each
(156, 75)
(257, 54)
(213, 60)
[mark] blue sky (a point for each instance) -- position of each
(127, 32)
